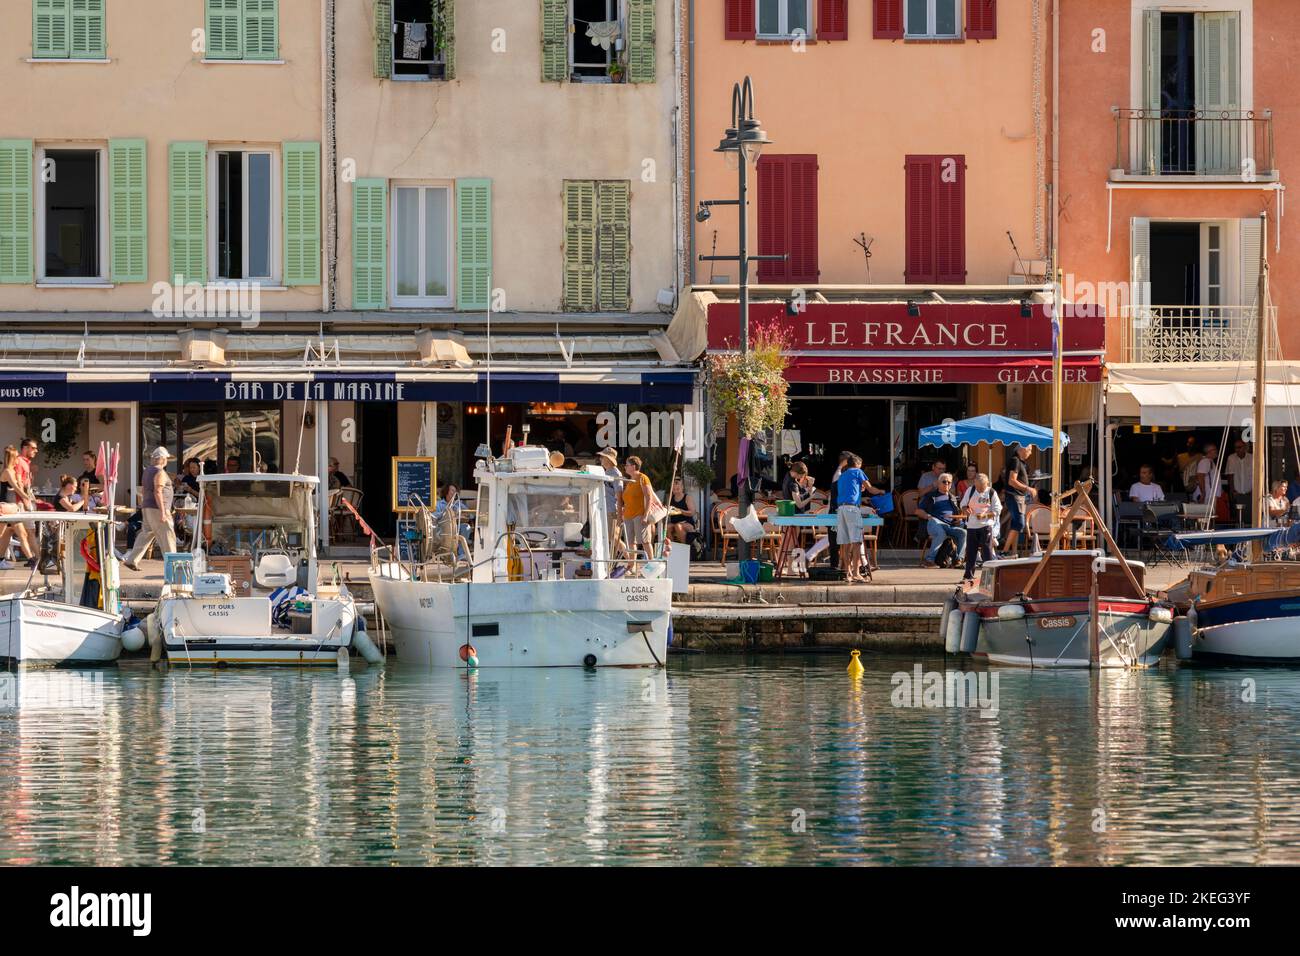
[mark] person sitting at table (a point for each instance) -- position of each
(232, 464)
(449, 504)
(1145, 490)
(337, 478)
(88, 467)
(188, 479)
(972, 472)
(69, 500)
(682, 527)
(983, 509)
(1279, 505)
(942, 516)
(797, 486)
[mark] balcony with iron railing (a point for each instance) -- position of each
(1190, 333)
(1204, 145)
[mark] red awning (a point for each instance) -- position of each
(938, 369)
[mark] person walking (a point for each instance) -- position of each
(156, 505)
(942, 518)
(1017, 495)
(983, 510)
(638, 493)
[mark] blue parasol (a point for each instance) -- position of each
(989, 429)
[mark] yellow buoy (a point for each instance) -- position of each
(855, 665)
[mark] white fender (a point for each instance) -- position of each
(1161, 615)
(364, 645)
(133, 639)
(970, 632)
(1183, 638)
(952, 633)
(1011, 612)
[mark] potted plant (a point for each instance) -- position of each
(699, 473)
(617, 72)
(752, 385)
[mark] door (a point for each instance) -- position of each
(1211, 275)
(376, 446)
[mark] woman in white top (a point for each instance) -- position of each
(1278, 505)
(982, 508)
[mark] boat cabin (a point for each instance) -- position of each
(70, 557)
(259, 528)
(1067, 574)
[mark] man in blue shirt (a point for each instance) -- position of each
(848, 494)
(939, 510)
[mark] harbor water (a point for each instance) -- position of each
(720, 760)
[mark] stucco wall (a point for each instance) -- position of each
(1094, 82)
(155, 87)
(500, 121)
(862, 105)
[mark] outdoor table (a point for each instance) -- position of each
(791, 525)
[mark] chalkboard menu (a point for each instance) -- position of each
(414, 476)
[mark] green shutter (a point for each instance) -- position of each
(87, 30)
(301, 213)
(579, 245)
(225, 33)
(16, 210)
(128, 210)
(384, 39)
(473, 244)
(641, 41)
(186, 172)
(261, 29)
(555, 40)
(448, 37)
(369, 244)
(613, 246)
(50, 29)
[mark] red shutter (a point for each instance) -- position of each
(888, 19)
(787, 218)
(950, 220)
(832, 19)
(981, 19)
(740, 20)
(920, 220)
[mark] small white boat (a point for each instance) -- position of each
(536, 587)
(249, 593)
(65, 611)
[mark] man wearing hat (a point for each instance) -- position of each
(156, 491)
(613, 495)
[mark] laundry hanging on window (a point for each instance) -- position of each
(603, 33)
(416, 36)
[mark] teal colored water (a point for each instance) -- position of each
(720, 760)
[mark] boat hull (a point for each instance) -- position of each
(605, 623)
(35, 633)
(1058, 636)
(1259, 630)
(193, 634)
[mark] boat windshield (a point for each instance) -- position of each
(242, 516)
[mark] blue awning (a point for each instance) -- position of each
(989, 429)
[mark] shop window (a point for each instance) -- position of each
(787, 217)
(243, 221)
(253, 436)
(72, 218)
(422, 247)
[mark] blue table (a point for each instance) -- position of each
(793, 524)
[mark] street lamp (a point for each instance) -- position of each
(745, 140)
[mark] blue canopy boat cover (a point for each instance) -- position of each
(989, 429)
(1273, 538)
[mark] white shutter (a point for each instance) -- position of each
(1252, 238)
(1139, 318)
(1218, 93)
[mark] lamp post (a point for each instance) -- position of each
(745, 138)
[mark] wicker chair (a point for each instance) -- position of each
(722, 530)
(905, 507)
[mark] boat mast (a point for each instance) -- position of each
(1263, 329)
(1058, 330)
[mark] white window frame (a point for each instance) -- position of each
(422, 301)
(784, 32)
(392, 69)
(104, 232)
(931, 20)
(575, 38)
(276, 217)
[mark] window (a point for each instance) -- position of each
(244, 225)
(71, 223)
(598, 41)
(597, 245)
(416, 38)
(783, 18)
(68, 30)
(936, 219)
(422, 261)
(932, 19)
(242, 29)
(787, 217)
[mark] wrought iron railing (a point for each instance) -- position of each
(1194, 143)
(1190, 333)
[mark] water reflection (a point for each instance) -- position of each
(721, 760)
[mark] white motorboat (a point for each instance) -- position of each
(536, 586)
(250, 591)
(65, 611)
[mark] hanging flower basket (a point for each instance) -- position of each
(752, 386)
